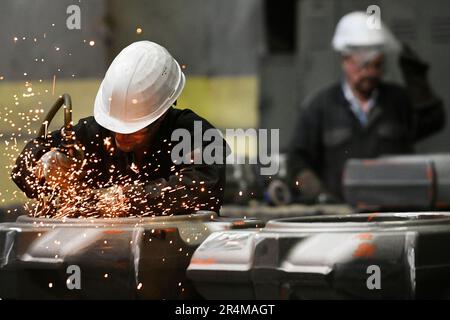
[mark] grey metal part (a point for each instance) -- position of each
(389, 184)
(118, 258)
(441, 164)
(415, 182)
(328, 258)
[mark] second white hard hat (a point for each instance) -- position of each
(354, 32)
(141, 84)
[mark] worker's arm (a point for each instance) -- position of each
(190, 188)
(304, 158)
(24, 170)
(197, 187)
(428, 109)
(430, 118)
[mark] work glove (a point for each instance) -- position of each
(415, 72)
(429, 108)
(143, 198)
(57, 169)
(130, 199)
(112, 202)
(312, 189)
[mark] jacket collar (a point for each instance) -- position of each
(376, 111)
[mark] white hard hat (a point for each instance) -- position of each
(354, 32)
(142, 82)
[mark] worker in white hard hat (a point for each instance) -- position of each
(127, 142)
(361, 116)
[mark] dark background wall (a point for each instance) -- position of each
(45, 21)
(285, 46)
(211, 37)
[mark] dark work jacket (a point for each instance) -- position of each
(328, 133)
(192, 186)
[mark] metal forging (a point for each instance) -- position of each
(329, 257)
(132, 258)
(419, 182)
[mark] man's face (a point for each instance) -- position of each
(133, 141)
(363, 74)
(138, 140)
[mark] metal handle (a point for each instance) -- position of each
(68, 125)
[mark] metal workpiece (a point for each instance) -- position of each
(267, 213)
(118, 258)
(417, 182)
(364, 256)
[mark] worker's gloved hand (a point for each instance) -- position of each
(415, 72)
(144, 198)
(111, 202)
(309, 186)
(312, 190)
(411, 64)
(135, 195)
(131, 199)
(57, 169)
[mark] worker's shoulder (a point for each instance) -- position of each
(185, 118)
(392, 89)
(324, 97)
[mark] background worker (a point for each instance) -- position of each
(361, 116)
(127, 143)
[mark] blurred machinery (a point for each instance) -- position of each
(245, 183)
(121, 258)
(366, 256)
(419, 182)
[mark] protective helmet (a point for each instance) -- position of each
(353, 32)
(142, 82)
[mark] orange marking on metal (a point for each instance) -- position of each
(364, 250)
(113, 231)
(430, 174)
(365, 236)
(203, 261)
(370, 162)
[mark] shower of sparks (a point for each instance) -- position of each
(70, 193)
(53, 85)
(76, 193)
(134, 167)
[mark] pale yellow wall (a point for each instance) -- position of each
(227, 102)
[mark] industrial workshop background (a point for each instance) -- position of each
(250, 63)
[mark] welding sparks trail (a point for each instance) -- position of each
(53, 85)
(133, 192)
(121, 196)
